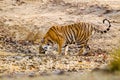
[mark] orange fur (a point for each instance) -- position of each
(75, 33)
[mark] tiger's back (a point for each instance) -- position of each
(77, 32)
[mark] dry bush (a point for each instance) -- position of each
(115, 62)
(19, 37)
(34, 37)
(23, 34)
(19, 32)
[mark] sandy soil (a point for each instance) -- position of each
(24, 22)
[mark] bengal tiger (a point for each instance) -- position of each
(77, 33)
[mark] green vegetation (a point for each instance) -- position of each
(115, 62)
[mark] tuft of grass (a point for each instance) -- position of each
(34, 37)
(114, 64)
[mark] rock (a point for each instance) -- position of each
(32, 74)
(58, 72)
(44, 74)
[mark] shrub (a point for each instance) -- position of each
(114, 64)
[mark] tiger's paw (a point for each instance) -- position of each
(66, 53)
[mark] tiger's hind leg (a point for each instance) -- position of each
(80, 51)
(60, 44)
(66, 50)
(86, 50)
(83, 49)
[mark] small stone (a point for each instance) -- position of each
(21, 74)
(95, 69)
(32, 74)
(58, 72)
(44, 74)
(18, 57)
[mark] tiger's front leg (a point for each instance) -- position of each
(60, 44)
(87, 50)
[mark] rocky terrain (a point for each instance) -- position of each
(24, 22)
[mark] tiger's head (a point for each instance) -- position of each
(45, 44)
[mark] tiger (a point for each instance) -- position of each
(76, 33)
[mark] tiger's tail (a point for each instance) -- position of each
(105, 31)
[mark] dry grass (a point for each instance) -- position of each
(114, 64)
(19, 33)
(28, 20)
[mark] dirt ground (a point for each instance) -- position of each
(24, 22)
